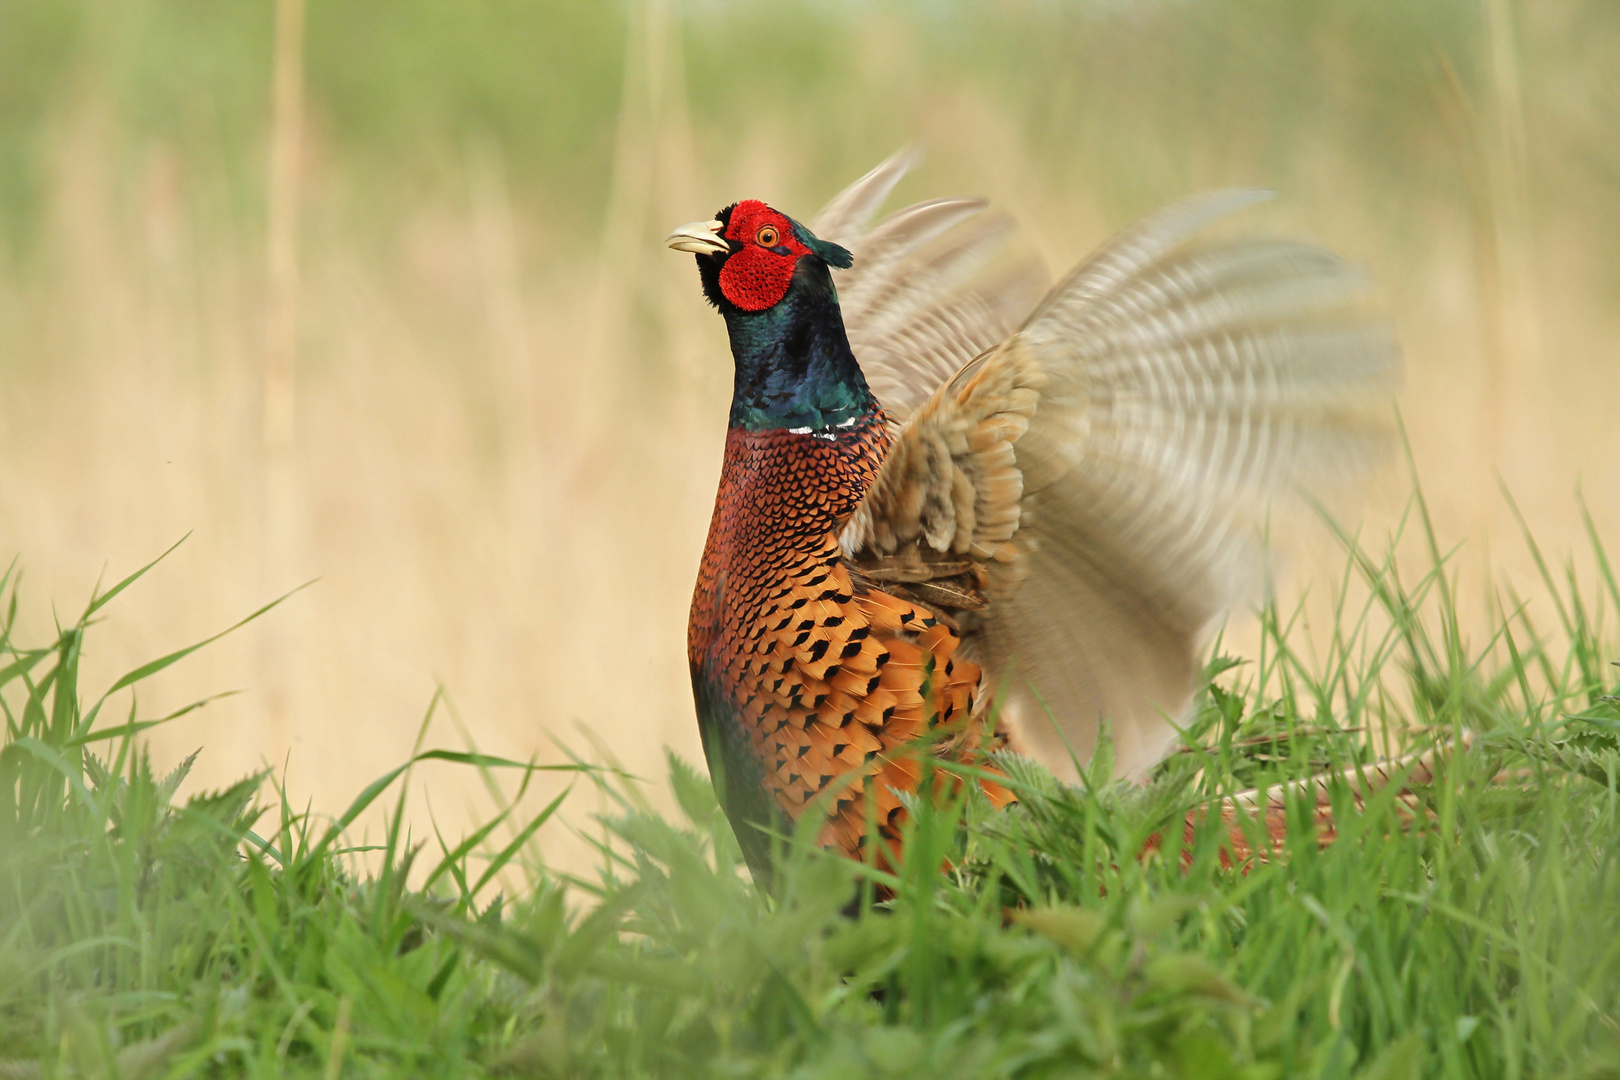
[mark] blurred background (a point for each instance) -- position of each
(376, 293)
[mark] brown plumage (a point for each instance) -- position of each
(832, 682)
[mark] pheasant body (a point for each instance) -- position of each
(805, 676)
(1055, 510)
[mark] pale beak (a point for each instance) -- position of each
(701, 237)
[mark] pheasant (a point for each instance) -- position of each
(960, 513)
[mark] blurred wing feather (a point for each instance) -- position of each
(845, 218)
(932, 285)
(1105, 470)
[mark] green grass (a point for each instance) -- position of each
(230, 935)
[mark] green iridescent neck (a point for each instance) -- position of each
(794, 367)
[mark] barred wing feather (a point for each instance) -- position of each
(1085, 498)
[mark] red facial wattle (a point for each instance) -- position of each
(757, 276)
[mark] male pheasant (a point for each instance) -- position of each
(956, 515)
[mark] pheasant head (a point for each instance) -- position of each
(749, 255)
(771, 279)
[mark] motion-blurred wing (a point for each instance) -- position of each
(1144, 414)
(932, 286)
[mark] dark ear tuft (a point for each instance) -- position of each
(832, 254)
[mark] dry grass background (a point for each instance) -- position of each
(473, 394)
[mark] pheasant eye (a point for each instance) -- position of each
(766, 237)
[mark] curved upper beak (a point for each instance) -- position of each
(702, 237)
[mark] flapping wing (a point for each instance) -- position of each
(1104, 472)
(933, 285)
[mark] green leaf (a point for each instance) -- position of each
(99, 600)
(152, 667)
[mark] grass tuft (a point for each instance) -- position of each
(1465, 926)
